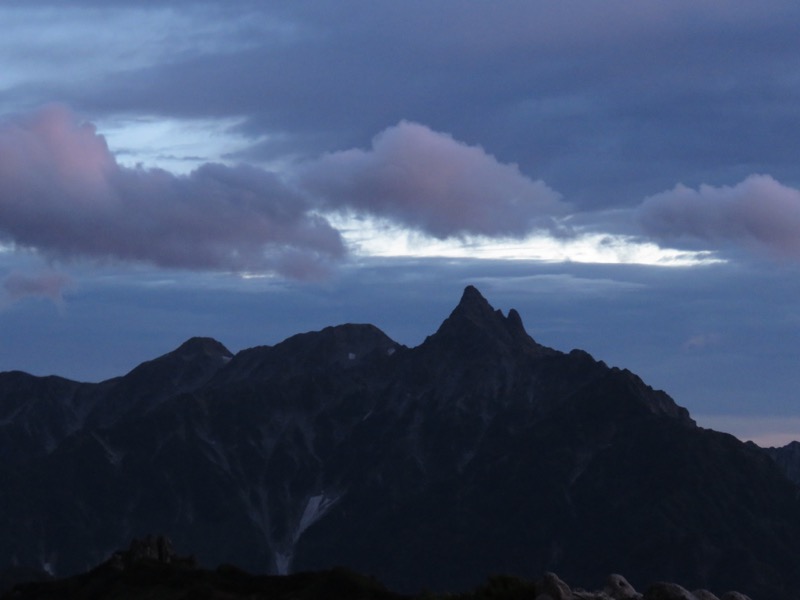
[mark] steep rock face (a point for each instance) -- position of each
(788, 459)
(37, 413)
(479, 451)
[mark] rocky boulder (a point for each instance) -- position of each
(618, 588)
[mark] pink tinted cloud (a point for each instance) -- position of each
(63, 193)
(49, 285)
(429, 181)
(759, 213)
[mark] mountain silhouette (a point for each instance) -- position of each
(479, 451)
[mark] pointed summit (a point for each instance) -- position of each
(201, 346)
(475, 327)
(184, 369)
(471, 294)
(472, 302)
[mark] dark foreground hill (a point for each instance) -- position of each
(479, 451)
(151, 569)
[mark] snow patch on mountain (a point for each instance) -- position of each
(316, 507)
(283, 561)
(48, 568)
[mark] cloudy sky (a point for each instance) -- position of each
(625, 174)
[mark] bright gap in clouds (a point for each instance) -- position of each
(379, 238)
(182, 145)
(175, 145)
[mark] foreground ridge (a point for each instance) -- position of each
(150, 568)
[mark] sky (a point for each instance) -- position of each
(625, 174)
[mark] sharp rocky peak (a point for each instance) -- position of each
(475, 324)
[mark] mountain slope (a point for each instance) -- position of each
(788, 459)
(479, 451)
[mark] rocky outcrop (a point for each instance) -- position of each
(704, 595)
(551, 587)
(618, 588)
(668, 591)
(155, 549)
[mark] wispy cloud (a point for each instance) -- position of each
(702, 340)
(49, 284)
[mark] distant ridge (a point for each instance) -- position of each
(479, 451)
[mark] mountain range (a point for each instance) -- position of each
(479, 451)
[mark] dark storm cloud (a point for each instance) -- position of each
(606, 102)
(759, 214)
(62, 193)
(428, 181)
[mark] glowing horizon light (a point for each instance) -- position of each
(373, 238)
(765, 431)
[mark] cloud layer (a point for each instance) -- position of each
(759, 214)
(606, 102)
(431, 182)
(63, 194)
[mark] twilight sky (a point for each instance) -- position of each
(625, 174)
